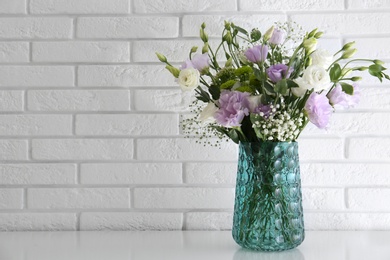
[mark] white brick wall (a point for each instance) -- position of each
(89, 119)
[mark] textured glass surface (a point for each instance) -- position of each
(268, 212)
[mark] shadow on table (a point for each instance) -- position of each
(245, 254)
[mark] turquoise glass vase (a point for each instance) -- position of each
(268, 213)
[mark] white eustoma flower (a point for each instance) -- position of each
(314, 77)
(322, 57)
(207, 115)
(188, 79)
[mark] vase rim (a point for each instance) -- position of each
(260, 142)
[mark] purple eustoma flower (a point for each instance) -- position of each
(339, 99)
(318, 110)
(278, 37)
(233, 107)
(199, 62)
(257, 53)
(264, 110)
(278, 72)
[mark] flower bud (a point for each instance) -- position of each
(268, 33)
(348, 46)
(161, 57)
(310, 44)
(229, 62)
(348, 53)
(203, 25)
(312, 33)
(194, 49)
(205, 48)
(356, 78)
(228, 37)
(362, 68)
(318, 35)
(203, 36)
(227, 25)
(175, 71)
(378, 62)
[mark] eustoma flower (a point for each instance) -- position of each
(199, 62)
(339, 99)
(278, 37)
(322, 58)
(257, 53)
(233, 106)
(314, 77)
(278, 72)
(318, 110)
(188, 79)
(207, 114)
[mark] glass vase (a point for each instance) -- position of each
(268, 213)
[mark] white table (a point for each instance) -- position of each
(181, 245)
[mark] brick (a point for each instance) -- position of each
(14, 51)
(11, 199)
(78, 100)
(11, 100)
(130, 124)
(124, 76)
(323, 199)
(131, 173)
(128, 27)
(13, 7)
(78, 198)
(13, 149)
(38, 221)
(33, 125)
(364, 46)
(373, 149)
(130, 221)
(344, 174)
(290, 5)
(367, 199)
(321, 149)
(366, 5)
(172, 6)
(41, 174)
(207, 173)
(36, 28)
(345, 23)
(209, 221)
(374, 99)
(79, 7)
(183, 149)
(215, 23)
(185, 198)
(342, 124)
(347, 221)
(81, 52)
(333, 45)
(163, 100)
(36, 76)
(82, 149)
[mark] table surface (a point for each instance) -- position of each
(175, 245)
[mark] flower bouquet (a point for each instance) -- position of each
(270, 87)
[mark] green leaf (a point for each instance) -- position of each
(281, 87)
(376, 68)
(255, 35)
(228, 84)
(347, 88)
(203, 95)
(238, 28)
(215, 92)
(335, 72)
(257, 73)
(268, 87)
(234, 136)
(291, 84)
